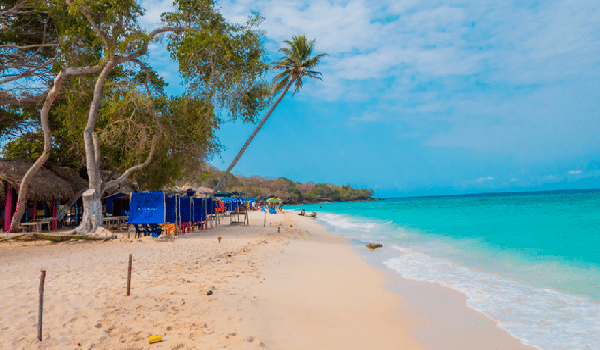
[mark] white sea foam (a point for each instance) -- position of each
(544, 318)
(365, 229)
(348, 223)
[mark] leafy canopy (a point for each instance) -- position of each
(222, 64)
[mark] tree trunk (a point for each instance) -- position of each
(260, 125)
(92, 198)
(23, 188)
(92, 214)
(52, 95)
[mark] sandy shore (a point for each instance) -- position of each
(303, 288)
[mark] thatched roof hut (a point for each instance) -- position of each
(45, 185)
(72, 177)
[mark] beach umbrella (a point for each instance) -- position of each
(274, 200)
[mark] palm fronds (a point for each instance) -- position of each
(296, 63)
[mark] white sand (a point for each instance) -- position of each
(250, 308)
(301, 289)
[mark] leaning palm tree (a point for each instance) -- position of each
(296, 64)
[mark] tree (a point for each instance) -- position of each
(296, 64)
(104, 36)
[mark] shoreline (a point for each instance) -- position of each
(304, 288)
(486, 278)
(445, 320)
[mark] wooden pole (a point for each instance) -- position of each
(8, 208)
(129, 276)
(41, 310)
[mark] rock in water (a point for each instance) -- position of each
(373, 246)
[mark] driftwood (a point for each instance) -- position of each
(53, 238)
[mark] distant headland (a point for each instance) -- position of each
(289, 191)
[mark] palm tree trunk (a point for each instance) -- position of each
(260, 125)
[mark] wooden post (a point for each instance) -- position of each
(42, 278)
(8, 208)
(53, 223)
(129, 276)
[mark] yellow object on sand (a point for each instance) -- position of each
(155, 338)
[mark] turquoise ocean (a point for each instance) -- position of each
(530, 261)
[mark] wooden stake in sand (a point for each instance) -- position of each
(42, 278)
(129, 276)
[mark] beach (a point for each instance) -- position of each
(302, 288)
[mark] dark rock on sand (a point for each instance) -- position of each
(373, 246)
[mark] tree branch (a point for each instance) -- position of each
(69, 204)
(26, 47)
(14, 9)
(123, 177)
(10, 99)
(30, 71)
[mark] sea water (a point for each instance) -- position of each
(529, 261)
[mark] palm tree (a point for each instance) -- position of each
(296, 64)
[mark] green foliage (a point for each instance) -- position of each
(28, 146)
(223, 65)
(285, 189)
(221, 62)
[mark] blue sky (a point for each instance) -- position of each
(428, 97)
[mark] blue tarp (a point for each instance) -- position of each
(171, 205)
(231, 204)
(147, 208)
(184, 207)
(199, 206)
(211, 205)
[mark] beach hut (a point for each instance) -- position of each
(73, 177)
(117, 204)
(45, 193)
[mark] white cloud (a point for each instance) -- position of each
(574, 172)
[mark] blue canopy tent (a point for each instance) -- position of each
(200, 211)
(210, 205)
(185, 213)
(150, 211)
(147, 208)
(171, 209)
(146, 211)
